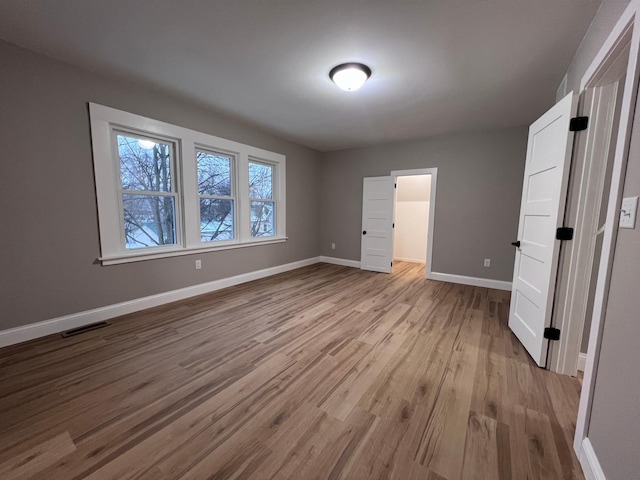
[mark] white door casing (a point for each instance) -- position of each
(433, 172)
(591, 153)
(377, 224)
(544, 196)
(627, 25)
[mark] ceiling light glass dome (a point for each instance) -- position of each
(350, 76)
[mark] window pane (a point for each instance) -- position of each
(262, 219)
(149, 220)
(144, 164)
(260, 181)
(214, 174)
(216, 219)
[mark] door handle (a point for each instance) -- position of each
(516, 244)
(364, 232)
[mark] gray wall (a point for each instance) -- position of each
(614, 430)
(478, 197)
(49, 240)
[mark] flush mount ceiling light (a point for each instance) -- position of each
(350, 76)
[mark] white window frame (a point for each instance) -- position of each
(234, 192)
(274, 187)
(174, 192)
(104, 120)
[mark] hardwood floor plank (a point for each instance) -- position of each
(503, 446)
(354, 385)
(381, 326)
(378, 458)
(340, 445)
(37, 459)
(443, 439)
(481, 452)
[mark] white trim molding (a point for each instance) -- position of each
(432, 209)
(582, 361)
(75, 320)
(589, 462)
(341, 261)
(474, 281)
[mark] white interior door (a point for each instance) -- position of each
(544, 196)
(377, 224)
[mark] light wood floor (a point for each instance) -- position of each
(323, 372)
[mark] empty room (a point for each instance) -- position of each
(354, 239)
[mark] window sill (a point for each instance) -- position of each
(138, 256)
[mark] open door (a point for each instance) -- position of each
(544, 195)
(377, 224)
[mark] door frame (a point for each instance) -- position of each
(628, 24)
(428, 269)
(590, 173)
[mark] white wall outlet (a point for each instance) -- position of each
(628, 212)
(333, 246)
(487, 262)
(198, 264)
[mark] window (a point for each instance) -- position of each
(261, 198)
(215, 187)
(147, 192)
(164, 190)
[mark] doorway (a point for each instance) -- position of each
(411, 218)
(379, 208)
(414, 210)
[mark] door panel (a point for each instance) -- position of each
(377, 220)
(541, 212)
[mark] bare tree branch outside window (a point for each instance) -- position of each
(147, 200)
(262, 204)
(216, 202)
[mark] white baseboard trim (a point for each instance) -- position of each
(582, 361)
(410, 260)
(341, 261)
(589, 462)
(475, 281)
(67, 322)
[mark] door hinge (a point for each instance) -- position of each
(552, 333)
(564, 233)
(392, 264)
(393, 225)
(577, 124)
(395, 185)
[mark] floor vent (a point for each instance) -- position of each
(86, 328)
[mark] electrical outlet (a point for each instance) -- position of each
(333, 246)
(198, 264)
(628, 212)
(487, 262)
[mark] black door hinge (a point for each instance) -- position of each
(395, 185)
(393, 225)
(577, 124)
(552, 333)
(564, 233)
(392, 264)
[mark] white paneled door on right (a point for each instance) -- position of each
(377, 224)
(544, 196)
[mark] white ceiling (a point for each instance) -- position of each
(439, 66)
